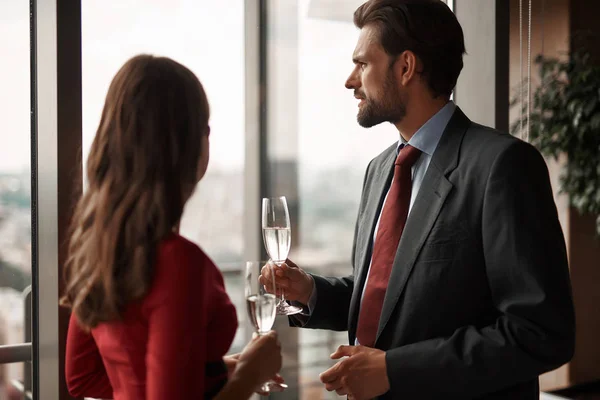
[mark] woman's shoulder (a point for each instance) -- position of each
(183, 254)
(177, 245)
(181, 267)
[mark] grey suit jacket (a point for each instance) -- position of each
(479, 300)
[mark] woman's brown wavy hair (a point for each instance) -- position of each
(141, 169)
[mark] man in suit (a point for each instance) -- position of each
(460, 284)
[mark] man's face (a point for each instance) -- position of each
(374, 82)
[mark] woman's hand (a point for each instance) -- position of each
(231, 363)
(260, 359)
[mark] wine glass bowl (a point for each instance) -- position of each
(261, 302)
(277, 238)
(261, 305)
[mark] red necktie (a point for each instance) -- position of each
(391, 225)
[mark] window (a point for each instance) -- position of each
(207, 37)
(15, 184)
(317, 152)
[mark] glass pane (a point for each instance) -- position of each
(194, 33)
(15, 183)
(317, 152)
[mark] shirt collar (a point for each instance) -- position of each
(427, 137)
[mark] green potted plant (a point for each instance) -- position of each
(565, 119)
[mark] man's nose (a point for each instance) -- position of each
(352, 82)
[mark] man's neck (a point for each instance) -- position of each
(417, 114)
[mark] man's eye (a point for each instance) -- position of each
(363, 65)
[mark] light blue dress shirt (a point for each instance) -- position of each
(426, 139)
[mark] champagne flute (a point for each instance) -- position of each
(277, 237)
(261, 304)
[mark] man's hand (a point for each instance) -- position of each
(361, 376)
(293, 281)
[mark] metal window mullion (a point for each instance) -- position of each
(44, 201)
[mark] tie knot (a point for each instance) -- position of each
(408, 156)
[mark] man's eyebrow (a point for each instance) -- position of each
(358, 59)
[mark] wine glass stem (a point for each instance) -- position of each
(265, 387)
(282, 302)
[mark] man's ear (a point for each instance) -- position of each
(405, 67)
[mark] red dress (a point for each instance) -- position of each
(170, 345)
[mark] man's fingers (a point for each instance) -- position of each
(282, 280)
(268, 285)
(266, 275)
(283, 283)
(343, 351)
(284, 273)
(343, 390)
(334, 386)
(338, 385)
(332, 373)
(294, 274)
(266, 271)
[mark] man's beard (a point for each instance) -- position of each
(391, 107)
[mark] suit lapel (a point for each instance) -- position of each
(424, 212)
(377, 190)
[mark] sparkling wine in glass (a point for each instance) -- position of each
(261, 305)
(277, 237)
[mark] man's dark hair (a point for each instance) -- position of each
(428, 28)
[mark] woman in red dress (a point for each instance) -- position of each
(150, 316)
